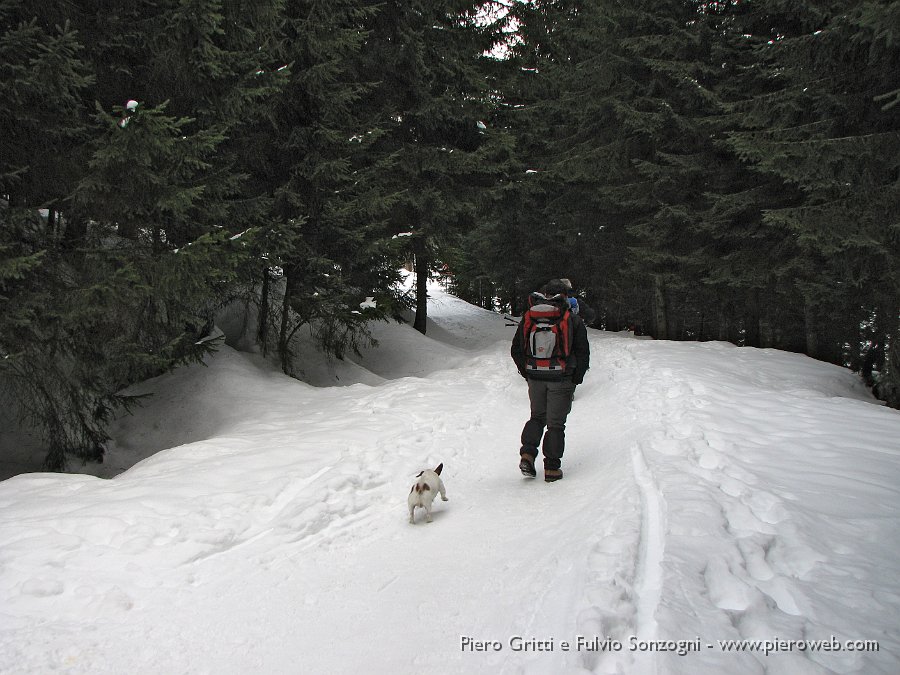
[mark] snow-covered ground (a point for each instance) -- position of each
(712, 493)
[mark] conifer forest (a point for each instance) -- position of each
(700, 171)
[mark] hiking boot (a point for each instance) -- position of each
(551, 475)
(526, 464)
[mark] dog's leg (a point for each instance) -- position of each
(442, 491)
(412, 514)
(427, 512)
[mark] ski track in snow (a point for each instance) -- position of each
(652, 548)
(280, 544)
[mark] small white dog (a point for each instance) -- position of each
(427, 485)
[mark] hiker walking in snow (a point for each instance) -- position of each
(551, 351)
(579, 307)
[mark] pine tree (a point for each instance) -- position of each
(42, 77)
(745, 264)
(528, 208)
(325, 253)
(824, 129)
(120, 280)
(599, 131)
(43, 74)
(430, 104)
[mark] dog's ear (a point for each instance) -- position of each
(419, 475)
(439, 468)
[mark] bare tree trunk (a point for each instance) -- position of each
(158, 246)
(766, 329)
(75, 231)
(888, 387)
(752, 320)
(283, 335)
(722, 328)
(262, 328)
(514, 299)
(420, 323)
(51, 223)
(812, 336)
(660, 310)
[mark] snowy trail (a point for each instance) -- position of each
(339, 531)
(429, 589)
(708, 496)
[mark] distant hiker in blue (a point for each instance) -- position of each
(550, 350)
(578, 305)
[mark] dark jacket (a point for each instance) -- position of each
(577, 363)
(586, 313)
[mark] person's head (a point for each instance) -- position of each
(556, 287)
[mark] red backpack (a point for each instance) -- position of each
(547, 333)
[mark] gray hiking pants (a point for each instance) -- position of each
(551, 402)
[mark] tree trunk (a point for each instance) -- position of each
(613, 323)
(75, 231)
(766, 327)
(283, 336)
(722, 328)
(888, 387)
(421, 263)
(262, 328)
(751, 322)
(51, 223)
(766, 332)
(514, 300)
(812, 335)
(660, 311)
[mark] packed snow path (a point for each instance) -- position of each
(711, 494)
